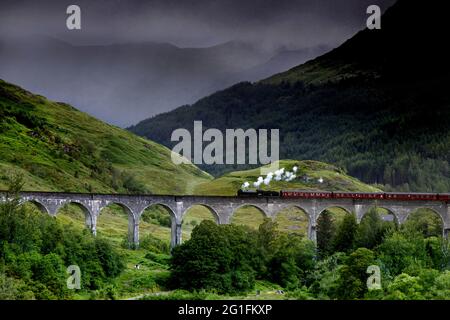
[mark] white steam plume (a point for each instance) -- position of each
(279, 175)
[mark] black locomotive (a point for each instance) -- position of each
(257, 193)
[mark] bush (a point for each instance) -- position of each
(157, 216)
(353, 276)
(405, 287)
(153, 244)
(400, 250)
(224, 264)
(163, 259)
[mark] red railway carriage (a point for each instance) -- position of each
(411, 196)
(377, 195)
(306, 194)
(444, 197)
(357, 195)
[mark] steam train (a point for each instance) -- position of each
(302, 194)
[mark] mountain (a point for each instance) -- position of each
(58, 148)
(123, 83)
(377, 106)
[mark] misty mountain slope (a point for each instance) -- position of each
(411, 43)
(377, 106)
(123, 83)
(58, 148)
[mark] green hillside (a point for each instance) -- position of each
(377, 106)
(308, 175)
(58, 148)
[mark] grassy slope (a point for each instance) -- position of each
(59, 148)
(333, 179)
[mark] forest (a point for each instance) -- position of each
(414, 261)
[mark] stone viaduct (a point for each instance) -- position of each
(222, 207)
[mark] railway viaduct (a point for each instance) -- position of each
(222, 207)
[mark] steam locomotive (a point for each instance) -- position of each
(302, 194)
(258, 193)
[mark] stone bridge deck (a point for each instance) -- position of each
(222, 207)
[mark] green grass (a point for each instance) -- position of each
(267, 291)
(248, 216)
(333, 179)
(59, 148)
(292, 220)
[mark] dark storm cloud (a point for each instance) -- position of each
(142, 76)
(297, 23)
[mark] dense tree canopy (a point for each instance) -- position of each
(36, 249)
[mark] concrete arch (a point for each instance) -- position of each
(437, 213)
(210, 208)
(125, 208)
(275, 215)
(249, 205)
(252, 218)
(38, 204)
(133, 222)
(391, 212)
(90, 219)
(173, 222)
(344, 208)
(85, 210)
(304, 212)
(165, 206)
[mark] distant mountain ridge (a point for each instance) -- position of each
(377, 106)
(142, 78)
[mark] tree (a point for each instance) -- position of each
(425, 221)
(441, 287)
(371, 230)
(405, 287)
(325, 234)
(215, 258)
(344, 240)
(353, 276)
(13, 289)
(324, 278)
(401, 250)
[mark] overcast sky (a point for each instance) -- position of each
(129, 83)
(297, 23)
